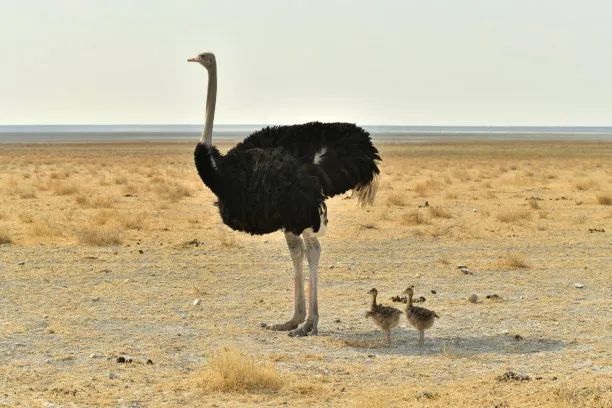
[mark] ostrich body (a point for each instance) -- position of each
(419, 317)
(278, 179)
(385, 317)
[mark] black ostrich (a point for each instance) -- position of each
(278, 179)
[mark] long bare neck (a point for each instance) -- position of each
(409, 300)
(373, 301)
(211, 99)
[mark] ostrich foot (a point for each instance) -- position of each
(307, 329)
(288, 325)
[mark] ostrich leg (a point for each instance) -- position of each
(313, 252)
(296, 248)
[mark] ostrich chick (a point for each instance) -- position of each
(385, 317)
(419, 317)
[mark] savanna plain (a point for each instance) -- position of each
(116, 250)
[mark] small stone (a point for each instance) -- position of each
(21, 263)
(579, 285)
(473, 210)
(461, 266)
(473, 298)
(196, 302)
(466, 271)
(150, 362)
(337, 321)
(418, 275)
(93, 355)
(371, 355)
(518, 337)
(262, 324)
(95, 299)
(112, 376)
(140, 251)
(433, 292)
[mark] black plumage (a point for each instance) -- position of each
(279, 177)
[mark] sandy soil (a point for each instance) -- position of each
(106, 247)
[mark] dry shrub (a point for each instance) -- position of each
(583, 185)
(172, 191)
(514, 260)
(5, 238)
(25, 218)
(120, 179)
(451, 195)
(27, 192)
(604, 199)
(414, 217)
(226, 238)
(99, 235)
(133, 220)
(396, 200)
(439, 212)
(229, 370)
(87, 201)
(422, 188)
(534, 204)
(513, 216)
(43, 227)
(64, 188)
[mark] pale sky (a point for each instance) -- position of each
(428, 62)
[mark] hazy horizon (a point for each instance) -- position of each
(475, 63)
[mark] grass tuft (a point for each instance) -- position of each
(439, 212)
(514, 260)
(513, 216)
(230, 370)
(604, 199)
(414, 217)
(396, 200)
(99, 235)
(5, 238)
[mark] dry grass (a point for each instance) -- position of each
(604, 199)
(587, 184)
(513, 216)
(226, 238)
(172, 191)
(534, 204)
(230, 370)
(5, 238)
(423, 188)
(99, 235)
(514, 260)
(45, 228)
(62, 189)
(96, 201)
(414, 217)
(396, 200)
(439, 212)
(65, 275)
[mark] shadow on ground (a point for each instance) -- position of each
(407, 344)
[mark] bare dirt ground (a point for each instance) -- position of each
(105, 247)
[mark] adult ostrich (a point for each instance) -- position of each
(278, 179)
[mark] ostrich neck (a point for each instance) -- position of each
(211, 98)
(410, 301)
(373, 301)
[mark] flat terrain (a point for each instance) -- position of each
(105, 248)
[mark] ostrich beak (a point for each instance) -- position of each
(194, 59)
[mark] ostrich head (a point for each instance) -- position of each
(207, 59)
(409, 291)
(373, 291)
